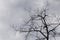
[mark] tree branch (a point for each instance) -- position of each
(36, 31)
(54, 27)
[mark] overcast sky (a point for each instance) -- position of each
(13, 12)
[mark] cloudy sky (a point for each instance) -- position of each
(13, 12)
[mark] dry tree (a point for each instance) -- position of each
(38, 27)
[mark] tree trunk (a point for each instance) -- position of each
(47, 33)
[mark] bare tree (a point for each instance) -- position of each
(39, 27)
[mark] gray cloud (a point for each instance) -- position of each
(13, 12)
